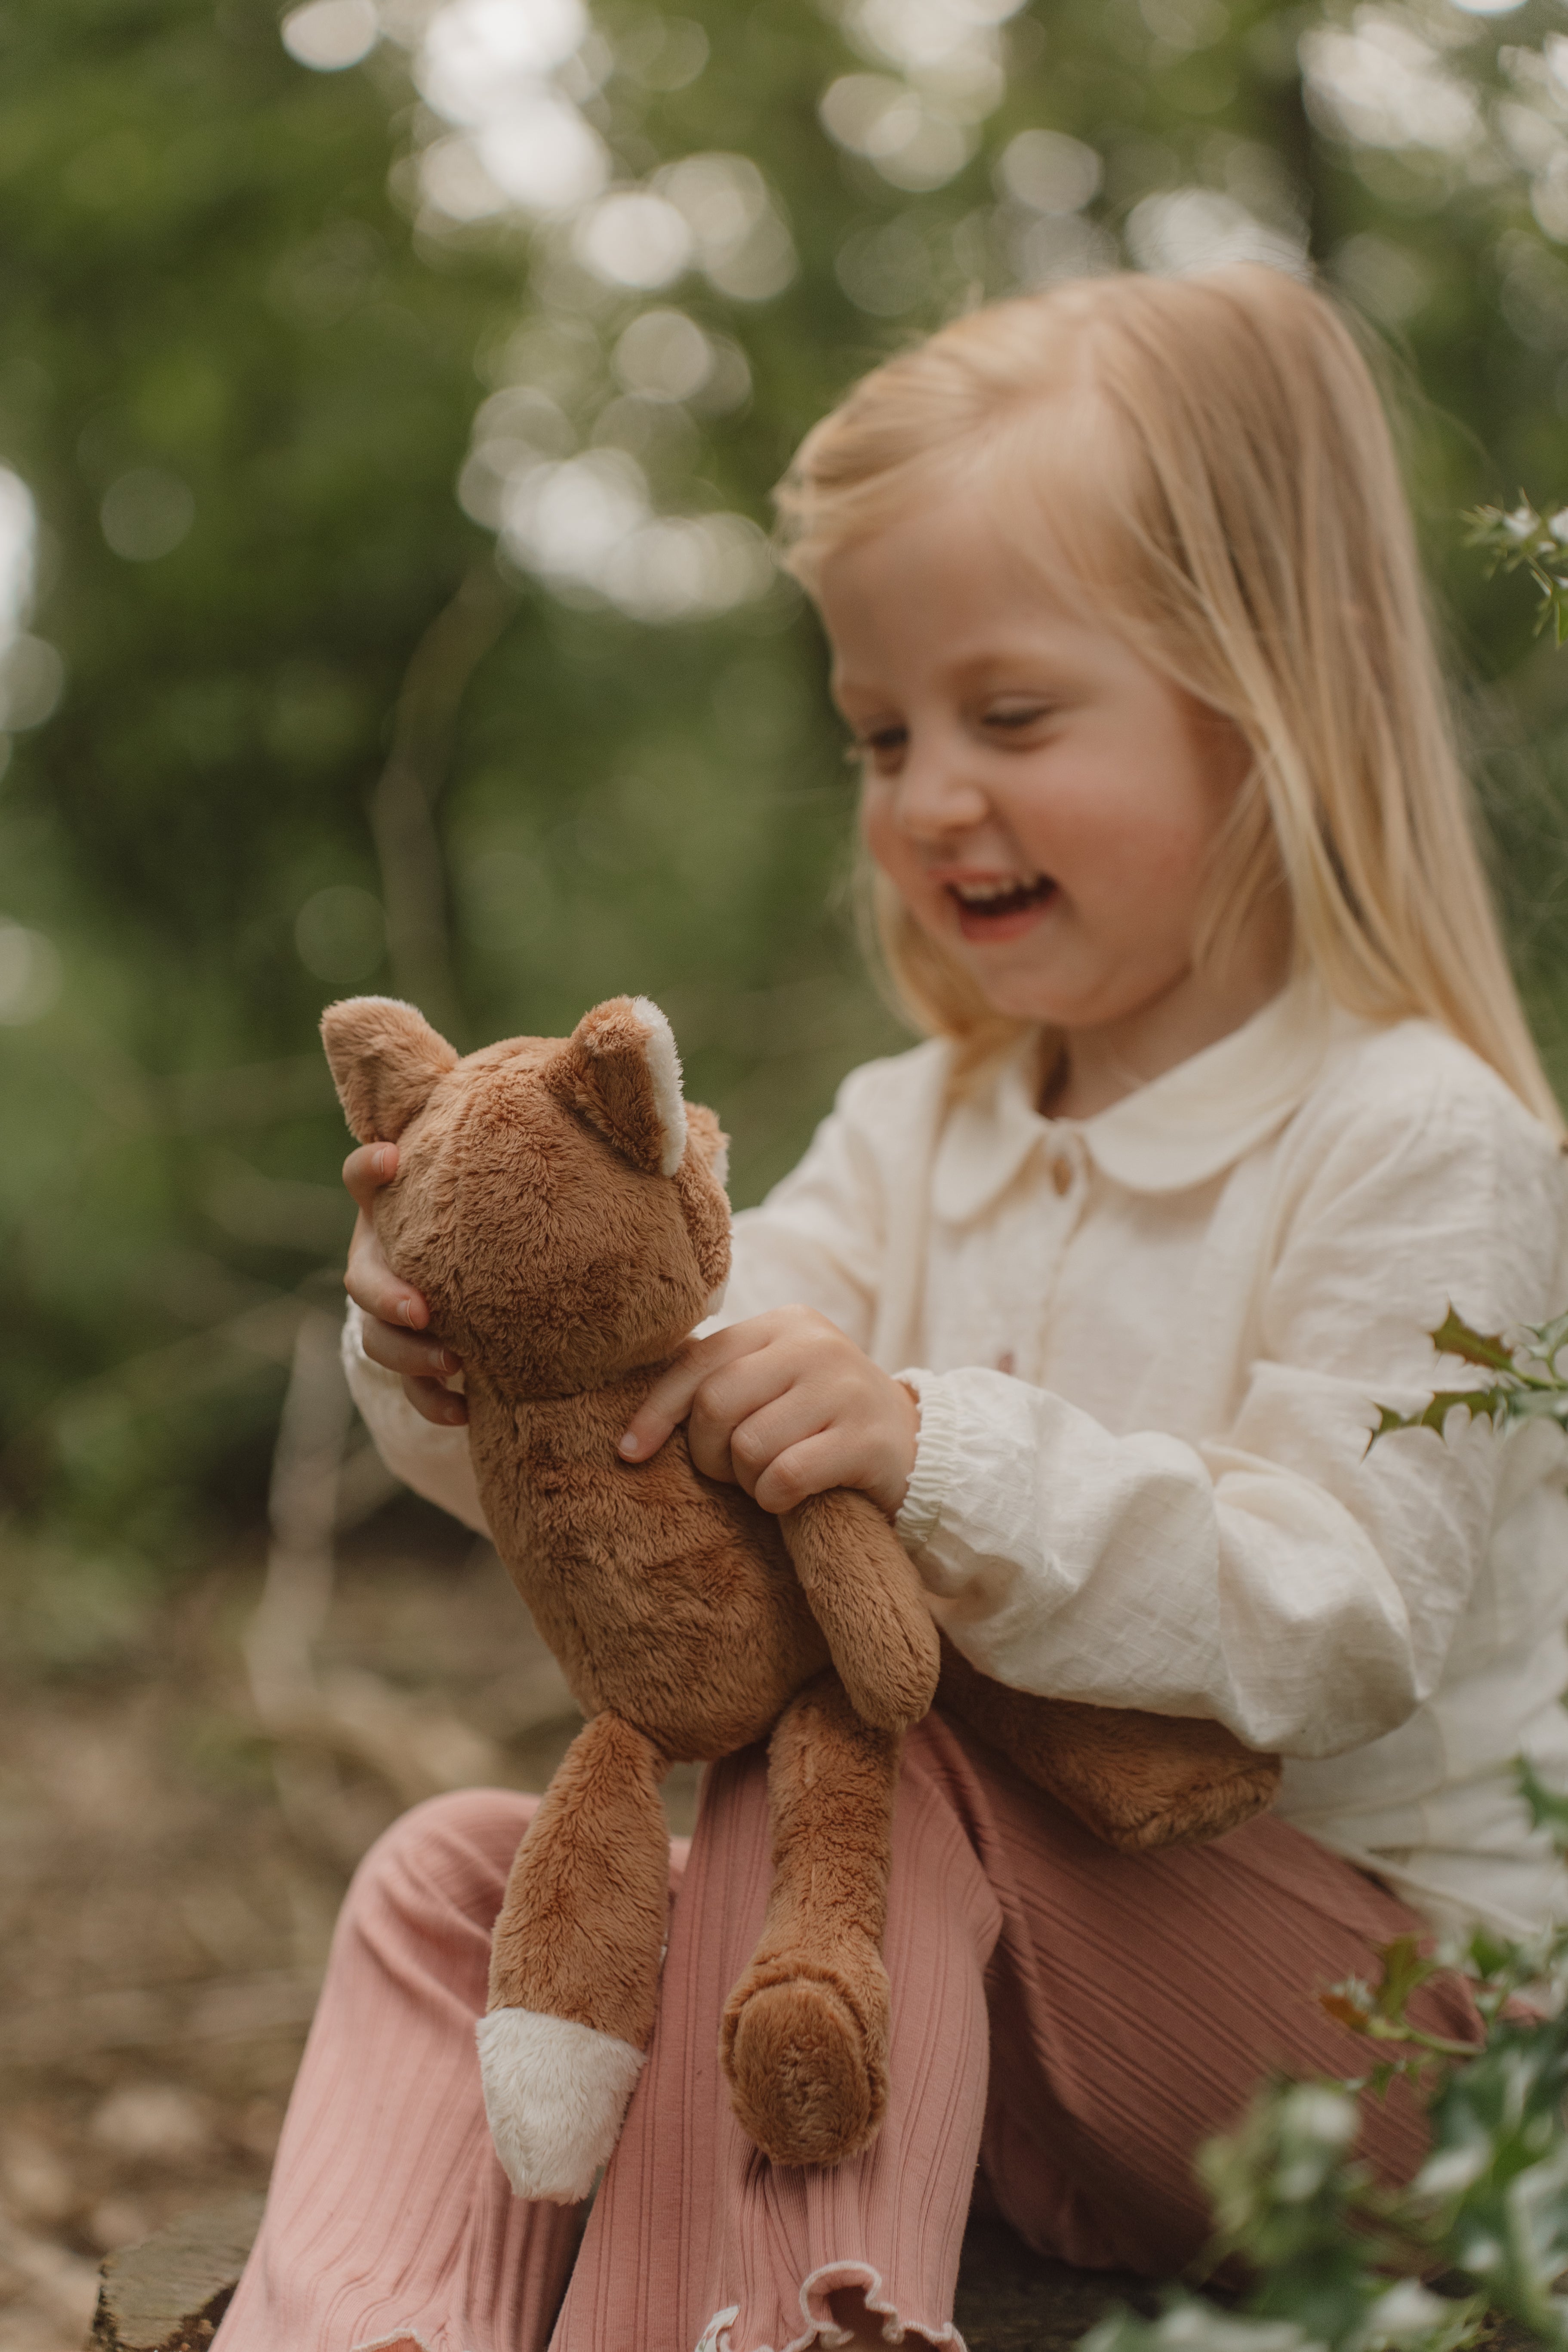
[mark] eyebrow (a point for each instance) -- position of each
(977, 669)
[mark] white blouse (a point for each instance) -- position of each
(1149, 1349)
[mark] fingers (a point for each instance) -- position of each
(746, 1414)
(394, 1310)
(367, 1169)
(408, 1354)
(815, 1466)
(669, 1399)
(754, 1393)
(435, 1404)
(370, 1281)
(785, 1406)
(372, 1284)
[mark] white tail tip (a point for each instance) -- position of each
(555, 2095)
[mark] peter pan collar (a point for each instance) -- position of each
(1179, 1130)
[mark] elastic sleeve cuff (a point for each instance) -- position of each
(936, 1456)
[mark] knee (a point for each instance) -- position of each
(453, 1851)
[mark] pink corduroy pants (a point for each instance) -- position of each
(1075, 2021)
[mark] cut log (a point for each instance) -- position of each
(168, 2294)
(1011, 2300)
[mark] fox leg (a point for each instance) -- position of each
(863, 1590)
(574, 1962)
(1140, 1782)
(804, 2037)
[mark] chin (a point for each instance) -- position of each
(1020, 996)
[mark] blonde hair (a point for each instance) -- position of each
(1219, 477)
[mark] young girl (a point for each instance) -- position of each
(1226, 1096)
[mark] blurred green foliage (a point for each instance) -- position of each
(264, 307)
(1518, 539)
(1335, 2260)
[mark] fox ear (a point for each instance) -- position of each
(385, 1059)
(713, 1143)
(620, 1070)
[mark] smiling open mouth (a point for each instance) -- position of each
(989, 902)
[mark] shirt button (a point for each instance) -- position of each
(1061, 1173)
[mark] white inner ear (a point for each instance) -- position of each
(663, 1069)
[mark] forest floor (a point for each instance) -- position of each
(169, 1878)
(171, 1871)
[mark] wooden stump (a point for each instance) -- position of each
(168, 2294)
(1010, 2300)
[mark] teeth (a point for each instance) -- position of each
(980, 894)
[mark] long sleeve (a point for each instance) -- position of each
(1274, 1573)
(821, 1237)
(435, 1461)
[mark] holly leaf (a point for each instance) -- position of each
(1548, 1810)
(1454, 1337)
(1550, 1336)
(1348, 2005)
(1493, 1403)
(1405, 1969)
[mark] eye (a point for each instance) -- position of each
(880, 748)
(1015, 718)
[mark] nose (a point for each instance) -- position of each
(937, 795)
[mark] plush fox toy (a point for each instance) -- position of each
(563, 1210)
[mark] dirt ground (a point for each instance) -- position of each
(169, 1877)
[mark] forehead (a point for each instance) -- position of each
(525, 1052)
(949, 591)
(493, 1083)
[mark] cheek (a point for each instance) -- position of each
(1140, 839)
(881, 836)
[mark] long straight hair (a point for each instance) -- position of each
(1206, 460)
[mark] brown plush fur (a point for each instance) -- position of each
(566, 1269)
(1138, 1781)
(805, 2036)
(587, 1896)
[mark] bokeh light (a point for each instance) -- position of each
(330, 35)
(341, 933)
(31, 974)
(1049, 171)
(146, 513)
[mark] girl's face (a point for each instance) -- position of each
(1046, 802)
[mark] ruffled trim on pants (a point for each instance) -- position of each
(820, 2327)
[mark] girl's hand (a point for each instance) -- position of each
(395, 1313)
(784, 1406)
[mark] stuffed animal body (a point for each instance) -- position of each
(563, 1210)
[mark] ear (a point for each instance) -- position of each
(385, 1059)
(620, 1070)
(701, 1184)
(713, 1143)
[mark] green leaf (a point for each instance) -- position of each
(1521, 540)
(1454, 1337)
(1492, 1404)
(1548, 1810)
(1405, 1969)
(1551, 1337)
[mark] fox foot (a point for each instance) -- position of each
(807, 2063)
